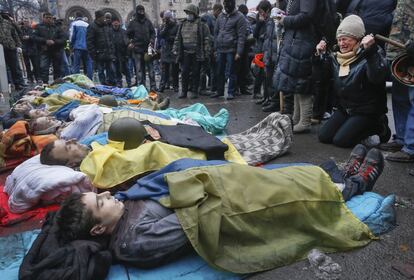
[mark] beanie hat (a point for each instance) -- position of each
(140, 8)
(99, 14)
(168, 14)
(351, 26)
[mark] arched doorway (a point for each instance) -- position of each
(72, 11)
(114, 13)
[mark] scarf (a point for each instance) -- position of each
(345, 59)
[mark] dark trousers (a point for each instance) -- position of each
(346, 131)
(242, 69)
(259, 82)
(32, 66)
(169, 71)
(190, 72)
(141, 66)
(323, 99)
(12, 63)
(106, 72)
(225, 71)
(121, 67)
(208, 69)
(82, 56)
(46, 58)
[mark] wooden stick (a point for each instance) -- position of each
(281, 101)
(390, 41)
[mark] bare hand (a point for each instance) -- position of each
(368, 41)
(237, 56)
(25, 37)
(321, 47)
(50, 42)
(130, 46)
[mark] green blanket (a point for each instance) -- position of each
(245, 219)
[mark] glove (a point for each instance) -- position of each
(409, 47)
(19, 50)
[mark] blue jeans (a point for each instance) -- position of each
(225, 71)
(65, 65)
(106, 72)
(403, 110)
(82, 55)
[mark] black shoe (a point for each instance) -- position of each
(370, 170)
(272, 107)
(390, 147)
(162, 88)
(230, 97)
(385, 132)
(182, 95)
(175, 89)
(355, 160)
(216, 95)
(261, 101)
(193, 95)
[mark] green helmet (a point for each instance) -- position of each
(108, 100)
(127, 130)
(192, 9)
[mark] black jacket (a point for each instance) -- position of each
(294, 67)
(44, 32)
(168, 33)
(29, 46)
(99, 40)
(362, 91)
(141, 32)
(230, 33)
(50, 258)
(120, 43)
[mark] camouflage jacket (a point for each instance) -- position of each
(402, 28)
(9, 37)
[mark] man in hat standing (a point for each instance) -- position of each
(192, 46)
(141, 34)
(402, 95)
(101, 48)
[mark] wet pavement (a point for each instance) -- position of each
(374, 261)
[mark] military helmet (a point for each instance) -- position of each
(192, 9)
(108, 100)
(127, 130)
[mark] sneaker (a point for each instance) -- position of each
(400, 156)
(371, 169)
(390, 147)
(230, 97)
(355, 160)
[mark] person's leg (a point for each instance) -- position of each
(100, 65)
(28, 66)
(400, 108)
(65, 68)
(151, 74)
(231, 75)
(125, 71)
(220, 74)
(329, 129)
(164, 70)
(354, 130)
(44, 67)
(10, 57)
(185, 75)
(174, 73)
(213, 74)
(77, 57)
(57, 58)
(36, 66)
(195, 76)
(118, 73)
(409, 127)
(139, 69)
(258, 82)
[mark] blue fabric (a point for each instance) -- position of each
(115, 91)
(154, 186)
(200, 114)
(65, 86)
(140, 92)
(78, 39)
(144, 111)
(375, 211)
(101, 138)
(64, 111)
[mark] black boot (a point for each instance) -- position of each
(182, 95)
(272, 107)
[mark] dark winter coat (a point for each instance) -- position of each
(270, 44)
(168, 34)
(99, 40)
(44, 32)
(259, 33)
(9, 36)
(120, 43)
(203, 41)
(230, 33)
(362, 91)
(50, 258)
(376, 14)
(294, 66)
(29, 46)
(141, 32)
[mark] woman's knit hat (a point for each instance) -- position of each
(351, 26)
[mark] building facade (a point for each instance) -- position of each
(124, 9)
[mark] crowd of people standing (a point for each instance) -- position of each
(280, 54)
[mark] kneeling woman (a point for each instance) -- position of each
(359, 71)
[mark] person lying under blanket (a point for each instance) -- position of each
(145, 233)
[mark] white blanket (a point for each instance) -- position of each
(32, 183)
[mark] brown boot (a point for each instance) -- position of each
(306, 106)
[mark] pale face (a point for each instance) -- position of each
(346, 44)
(105, 208)
(37, 113)
(42, 123)
(70, 151)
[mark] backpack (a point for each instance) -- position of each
(328, 21)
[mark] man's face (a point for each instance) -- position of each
(100, 20)
(116, 25)
(263, 15)
(37, 113)
(48, 19)
(229, 6)
(105, 208)
(216, 12)
(22, 107)
(43, 123)
(70, 151)
(140, 12)
(346, 44)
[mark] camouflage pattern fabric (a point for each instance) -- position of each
(402, 28)
(8, 35)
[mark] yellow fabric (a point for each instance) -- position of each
(246, 219)
(232, 154)
(109, 165)
(54, 102)
(345, 59)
